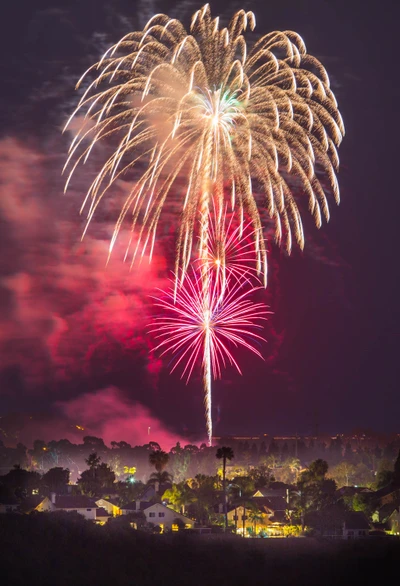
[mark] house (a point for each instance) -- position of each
(150, 493)
(165, 517)
(394, 521)
(355, 525)
(388, 494)
(275, 507)
(102, 516)
(388, 517)
(274, 489)
(239, 516)
(80, 504)
(34, 503)
(134, 507)
(9, 505)
(111, 506)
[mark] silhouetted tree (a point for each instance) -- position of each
(159, 480)
(159, 459)
(225, 453)
(56, 479)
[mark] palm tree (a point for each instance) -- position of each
(93, 461)
(255, 516)
(157, 479)
(204, 496)
(159, 459)
(224, 454)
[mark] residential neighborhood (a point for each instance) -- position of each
(247, 501)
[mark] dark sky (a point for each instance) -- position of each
(70, 328)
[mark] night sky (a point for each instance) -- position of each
(73, 339)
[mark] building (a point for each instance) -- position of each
(134, 507)
(102, 516)
(79, 504)
(9, 505)
(355, 525)
(165, 517)
(111, 506)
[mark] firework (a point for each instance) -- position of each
(230, 252)
(194, 326)
(236, 126)
(200, 105)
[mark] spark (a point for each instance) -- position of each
(194, 325)
(202, 106)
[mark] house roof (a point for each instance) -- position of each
(30, 503)
(386, 510)
(272, 503)
(100, 512)
(356, 520)
(113, 502)
(352, 490)
(274, 489)
(74, 502)
(389, 489)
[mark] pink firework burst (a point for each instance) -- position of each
(195, 323)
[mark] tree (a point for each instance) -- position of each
(363, 502)
(56, 479)
(315, 491)
(129, 491)
(93, 460)
(179, 495)
(343, 473)
(94, 442)
(316, 472)
(363, 475)
(225, 453)
(98, 479)
(158, 479)
(255, 516)
(385, 473)
(20, 482)
(289, 470)
(159, 459)
(261, 476)
(204, 496)
(180, 462)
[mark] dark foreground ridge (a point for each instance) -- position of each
(64, 549)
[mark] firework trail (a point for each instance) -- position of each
(229, 120)
(191, 327)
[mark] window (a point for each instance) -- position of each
(152, 514)
(161, 514)
(89, 510)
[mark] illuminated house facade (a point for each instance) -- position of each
(111, 507)
(165, 517)
(80, 504)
